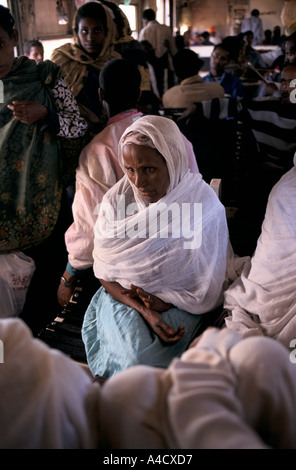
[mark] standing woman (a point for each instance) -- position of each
(81, 62)
(161, 253)
(37, 109)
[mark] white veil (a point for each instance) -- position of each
(177, 248)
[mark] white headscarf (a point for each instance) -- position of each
(182, 259)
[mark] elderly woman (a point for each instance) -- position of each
(37, 110)
(81, 62)
(161, 252)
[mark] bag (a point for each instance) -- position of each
(16, 271)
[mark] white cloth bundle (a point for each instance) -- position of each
(263, 300)
(177, 248)
(47, 401)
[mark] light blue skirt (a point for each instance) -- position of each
(117, 337)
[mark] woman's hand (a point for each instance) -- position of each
(161, 328)
(149, 300)
(28, 112)
(64, 293)
(150, 311)
(137, 298)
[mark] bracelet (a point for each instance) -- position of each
(66, 283)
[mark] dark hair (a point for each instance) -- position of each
(149, 14)
(233, 45)
(255, 12)
(120, 82)
(222, 46)
(6, 20)
(32, 43)
(247, 33)
(118, 18)
(205, 34)
(92, 10)
(186, 63)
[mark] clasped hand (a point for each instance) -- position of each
(27, 112)
(153, 306)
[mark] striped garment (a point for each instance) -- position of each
(273, 125)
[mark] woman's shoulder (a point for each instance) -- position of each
(49, 72)
(65, 50)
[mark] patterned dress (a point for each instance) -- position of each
(31, 163)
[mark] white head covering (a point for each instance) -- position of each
(182, 258)
(164, 135)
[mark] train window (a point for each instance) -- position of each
(51, 44)
(131, 13)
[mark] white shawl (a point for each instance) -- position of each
(263, 300)
(182, 259)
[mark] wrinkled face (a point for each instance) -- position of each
(36, 53)
(7, 45)
(287, 91)
(219, 59)
(91, 34)
(147, 170)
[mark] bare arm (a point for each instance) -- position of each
(128, 297)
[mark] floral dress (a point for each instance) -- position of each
(32, 163)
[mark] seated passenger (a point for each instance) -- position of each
(233, 86)
(191, 88)
(263, 300)
(161, 252)
(271, 124)
(99, 168)
(251, 54)
(34, 50)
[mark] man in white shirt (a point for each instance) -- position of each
(162, 41)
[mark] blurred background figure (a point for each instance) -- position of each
(214, 38)
(267, 37)
(34, 50)
(162, 41)
(276, 36)
(254, 23)
(206, 40)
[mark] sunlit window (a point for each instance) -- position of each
(3, 3)
(131, 13)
